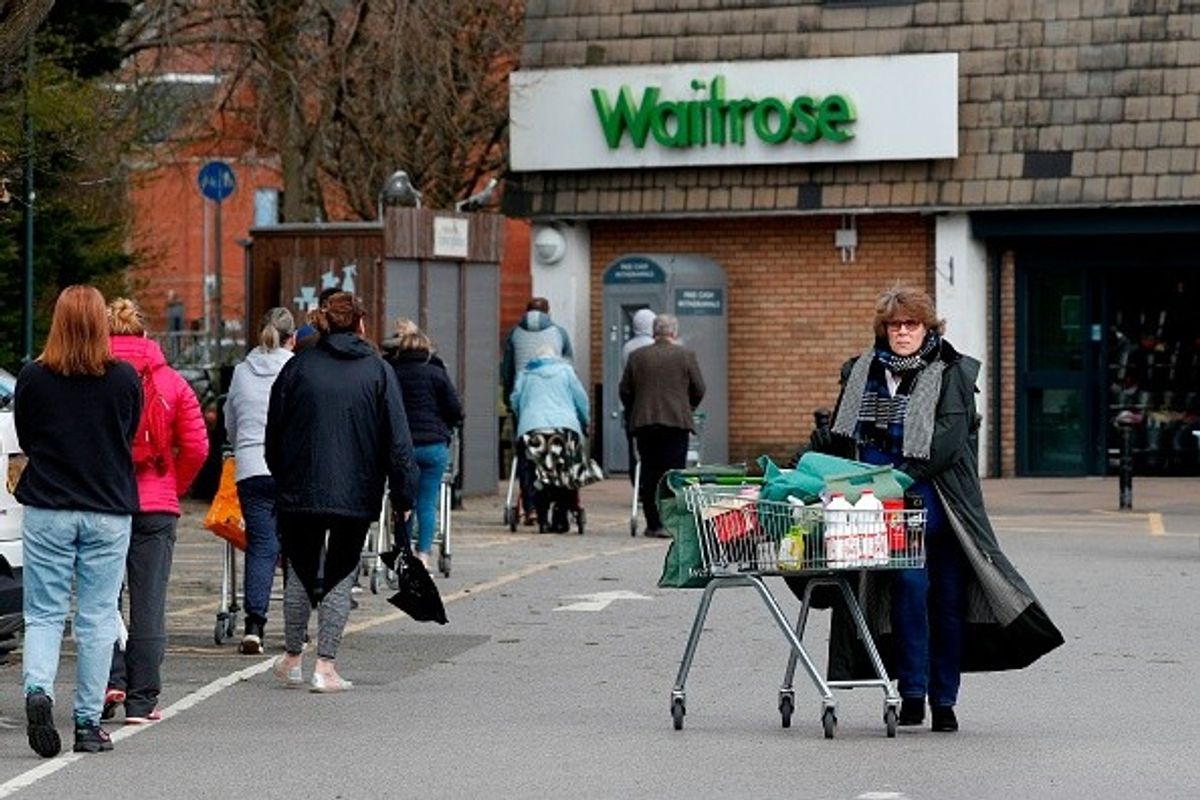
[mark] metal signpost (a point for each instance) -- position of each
(217, 182)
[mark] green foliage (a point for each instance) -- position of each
(80, 210)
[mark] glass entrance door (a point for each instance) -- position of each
(1056, 399)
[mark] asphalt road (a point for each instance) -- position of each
(533, 691)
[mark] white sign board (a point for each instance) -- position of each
(878, 108)
(450, 237)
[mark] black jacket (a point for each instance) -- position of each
(336, 430)
(76, 432)
(430, 402)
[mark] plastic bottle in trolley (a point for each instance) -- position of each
(837, 531)
(914, 504)
(872, 531)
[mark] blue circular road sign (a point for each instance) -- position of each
(216, 180)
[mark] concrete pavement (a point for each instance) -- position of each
(1162, 507)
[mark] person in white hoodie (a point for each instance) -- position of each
(246, 426)
(643, 334)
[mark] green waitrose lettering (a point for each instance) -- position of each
(717, 120)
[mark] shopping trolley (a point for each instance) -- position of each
(695, 456)
(382, 534)
(744, 539)
(228, 608)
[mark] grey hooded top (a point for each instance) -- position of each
(246, 408)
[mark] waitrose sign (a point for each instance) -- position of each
(763, 112)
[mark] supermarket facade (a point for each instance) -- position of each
(1032, 164)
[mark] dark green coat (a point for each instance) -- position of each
(1007, 628)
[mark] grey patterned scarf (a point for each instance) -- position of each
(918, 415)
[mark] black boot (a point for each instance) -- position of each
(252, 641)
(912, 710)
(943, 719)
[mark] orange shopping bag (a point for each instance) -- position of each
(224, 517)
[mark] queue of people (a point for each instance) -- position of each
(321, 434)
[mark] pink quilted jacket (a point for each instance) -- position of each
(160, 493)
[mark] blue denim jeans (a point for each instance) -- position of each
(929, 605)
(432, 460)
(89, 547)
(257, 498)
(929, 616)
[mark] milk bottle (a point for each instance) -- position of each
(838, 537)
(871, 530)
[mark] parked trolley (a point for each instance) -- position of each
(744, 539)
(381, 536)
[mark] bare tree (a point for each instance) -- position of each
(18, 20)
(346, 91)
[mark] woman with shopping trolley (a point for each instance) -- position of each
(909, 401)
(433, 410)
(552, 413)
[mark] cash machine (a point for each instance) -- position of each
(693, 288)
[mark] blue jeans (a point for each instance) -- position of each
(89, 547)
(432, 460)
(929, 616)
(929, 605)
(257, 498)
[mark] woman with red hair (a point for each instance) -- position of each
(77, 409)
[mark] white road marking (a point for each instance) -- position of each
(30, 777)
(599, 600)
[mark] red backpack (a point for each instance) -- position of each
(152, 442)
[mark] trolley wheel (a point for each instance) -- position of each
(510, 518)
(219, 632)
(580, 520)
(444, 564)
(231, 625)
(890, 720)
(677, 712)
(633, 527)
(786, 706)
(829, 722)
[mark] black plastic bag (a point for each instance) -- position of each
(416, 595)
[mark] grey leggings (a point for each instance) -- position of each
(332, 614)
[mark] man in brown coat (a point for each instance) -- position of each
(661, 387)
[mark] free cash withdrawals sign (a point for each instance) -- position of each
(878, 108)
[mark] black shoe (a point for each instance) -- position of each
(252, 642)
(912, 710)
(39, 714)
(943, 719)
(91, 738)
(657, 533)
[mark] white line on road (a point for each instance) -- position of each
(30, 777)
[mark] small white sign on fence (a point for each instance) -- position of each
(450, 237)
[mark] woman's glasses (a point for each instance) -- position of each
(905, 324)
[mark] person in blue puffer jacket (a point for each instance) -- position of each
(551, 407)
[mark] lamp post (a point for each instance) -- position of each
(29, 198)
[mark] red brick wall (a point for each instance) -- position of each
(169, 228)
(796, 312)
(1008, 368)
(516, 283)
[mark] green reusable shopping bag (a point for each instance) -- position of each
(683, 565)
(819, 472)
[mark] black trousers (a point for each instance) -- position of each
(137, 669)
(660, 448)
